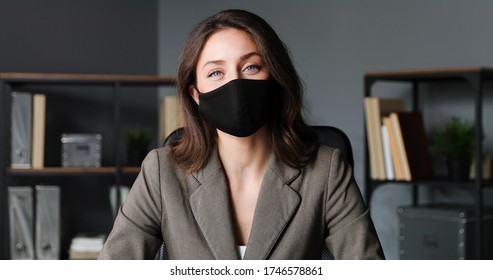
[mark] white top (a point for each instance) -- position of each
(241, 251)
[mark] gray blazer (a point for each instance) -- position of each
(296, 213)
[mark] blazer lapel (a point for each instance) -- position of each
(276, 205)
(212, 211)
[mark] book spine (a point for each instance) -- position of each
(389, 166)
(38, 134)
(370, 136)
(394, 151)
(396, 127)
(170, 116)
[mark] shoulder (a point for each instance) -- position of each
(159, 160)
(326, 156)
(326, 162)
(330, 166)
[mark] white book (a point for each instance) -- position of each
(85, 243)
(387, 153)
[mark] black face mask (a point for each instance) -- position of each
(239, 107)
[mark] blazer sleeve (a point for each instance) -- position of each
(136, 233)
(351, 233)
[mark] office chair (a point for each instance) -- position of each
(327, 135)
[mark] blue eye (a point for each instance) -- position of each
(214, 74)
(252, 67)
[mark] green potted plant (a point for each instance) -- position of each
(137, 145)
(456, 141)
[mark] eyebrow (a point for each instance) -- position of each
(221, 62)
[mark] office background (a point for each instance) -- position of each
(333, 44)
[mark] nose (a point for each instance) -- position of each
(234, 75)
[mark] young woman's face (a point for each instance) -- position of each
(227, 55)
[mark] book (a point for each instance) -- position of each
(21, 222)
(412, 144)
(47, 231)
(387, 152)
(393, 150)
(375, 109)
(38, 130)
(21, 129)
(170, 117)
(486, 167)
(86, 246)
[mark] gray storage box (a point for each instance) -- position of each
(442, 232)
(81, 150)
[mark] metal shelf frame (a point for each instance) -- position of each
(475, 78)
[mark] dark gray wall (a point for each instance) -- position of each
(97, 37)
(335, 42)
(83, 36)
(108, 36)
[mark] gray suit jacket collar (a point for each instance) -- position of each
(277, 202)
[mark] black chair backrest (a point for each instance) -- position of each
(336, 138)
(173, 136)
(327, 135)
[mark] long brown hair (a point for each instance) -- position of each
(292, 140)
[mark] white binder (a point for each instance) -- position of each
(115, 192)
(47, 222)
(21, 130)
(21, 223)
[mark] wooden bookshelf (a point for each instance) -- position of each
(113, 173)
(475, 78)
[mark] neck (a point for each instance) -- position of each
(244, 156)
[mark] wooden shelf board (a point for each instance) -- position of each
(86, 78)
(439, 182)
(131, 169)
(429, 74)
(109, 170)
(62, 170)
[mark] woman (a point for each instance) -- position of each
(247, 179)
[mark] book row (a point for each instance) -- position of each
(397, 142)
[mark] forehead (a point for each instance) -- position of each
(227, 42)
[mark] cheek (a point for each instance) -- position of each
(207, 85)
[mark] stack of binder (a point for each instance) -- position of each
(41, 241)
